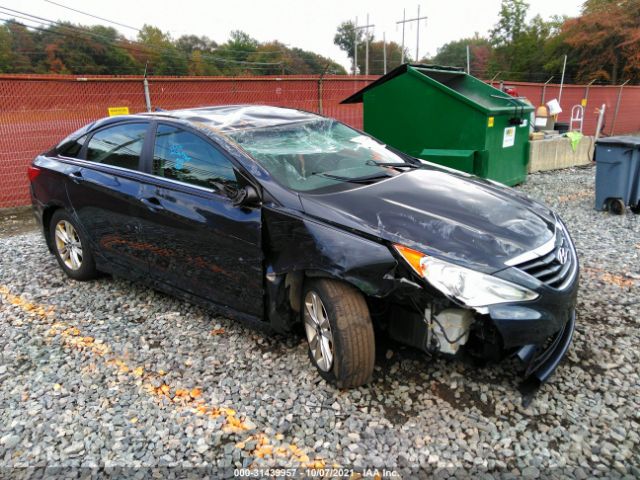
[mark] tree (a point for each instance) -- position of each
(191, 43)
(163, 56)
(376, 57)
(605, 40)
(455, 54)
(345, 38)
(511, 22)
(67, 48)
(5, 49)
(524, 51)
(23, 46)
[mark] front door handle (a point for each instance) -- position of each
(152, 203)
(76, 176)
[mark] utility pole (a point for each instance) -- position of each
(384, 52)
(366, 48)
(404, 16)
(356, 28)
(355, 47)
(418, 35)
(407, 20)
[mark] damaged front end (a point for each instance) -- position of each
(537, 329)
(440, 326)
(534, 322)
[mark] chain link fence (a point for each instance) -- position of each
(36, 112)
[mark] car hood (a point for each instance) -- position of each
(470, 221)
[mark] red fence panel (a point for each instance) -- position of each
(36, 112)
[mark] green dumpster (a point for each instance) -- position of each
(443, 115)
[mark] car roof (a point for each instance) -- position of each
(229, 118)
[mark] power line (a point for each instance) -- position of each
(140, 30)
(93, 16)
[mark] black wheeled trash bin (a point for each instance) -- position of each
(618, 174)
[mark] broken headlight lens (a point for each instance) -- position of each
(472, 288)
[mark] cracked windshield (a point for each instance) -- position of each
(312, 156)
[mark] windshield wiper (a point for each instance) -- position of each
(363, 179)
(393, 164)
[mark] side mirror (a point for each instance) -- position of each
(246, 196)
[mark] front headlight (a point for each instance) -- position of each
(473, 289)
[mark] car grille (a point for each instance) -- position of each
(549, 268)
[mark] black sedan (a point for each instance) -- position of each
(284, 218)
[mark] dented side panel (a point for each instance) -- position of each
(296, 243)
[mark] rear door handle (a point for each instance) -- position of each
(152, 203)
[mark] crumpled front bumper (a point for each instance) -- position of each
(541, 361)
(540, 331)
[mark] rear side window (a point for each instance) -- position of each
(72, 148)
(183, 156)
(119, 146)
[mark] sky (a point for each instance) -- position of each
(307, 24)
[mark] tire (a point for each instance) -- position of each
(616, 206)
(352, 342)
(71, 247)
(636, 209)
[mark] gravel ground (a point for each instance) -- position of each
(110, 373)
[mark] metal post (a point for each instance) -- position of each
(468, 61)
(564, 67)
(544, 89)
(418, 35)
(404, 11)
(494, 77)
(366, 50)
(615, 113)
(145, 83)
(586, 92)
(384, 52)
(320, 88)
(355, 47)
(600, 120)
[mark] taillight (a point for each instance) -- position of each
(33, 172)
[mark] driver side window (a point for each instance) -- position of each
(184, 156)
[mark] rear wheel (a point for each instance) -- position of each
(616, 206)
(636, 209)
(71, 248)
(339, 332)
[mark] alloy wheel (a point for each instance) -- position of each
(68, 245)
(318, 330)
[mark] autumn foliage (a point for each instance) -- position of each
(606, 40)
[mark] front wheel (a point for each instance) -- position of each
(71, 247)
(339, 332)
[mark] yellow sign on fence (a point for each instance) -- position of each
(113, 111)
